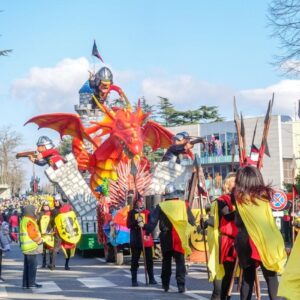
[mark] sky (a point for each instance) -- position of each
(193, 52)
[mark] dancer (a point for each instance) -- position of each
(258, 242)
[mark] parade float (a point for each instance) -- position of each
(107, 168)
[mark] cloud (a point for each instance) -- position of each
(185, 91)
(52, 89)
(287, 93)
(56, 88)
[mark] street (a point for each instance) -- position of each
(92, 278)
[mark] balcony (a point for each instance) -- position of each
(218, 159)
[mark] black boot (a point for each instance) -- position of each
(181, 288)
(67, 264)
(44, 260)
(134, 278)
(151, 277)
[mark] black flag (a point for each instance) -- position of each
(95, 52)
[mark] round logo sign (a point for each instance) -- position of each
(279, 200)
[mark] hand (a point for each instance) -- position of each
(32, 158)
(141, 224)
(140, 219)
(199, 229)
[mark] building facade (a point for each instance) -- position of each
(220, 154)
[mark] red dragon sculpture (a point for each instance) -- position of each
(119, 136)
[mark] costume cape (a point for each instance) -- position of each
(261, 227)
(175, 210)
(289, 286)
(216, 269)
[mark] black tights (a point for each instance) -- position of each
(249, 278)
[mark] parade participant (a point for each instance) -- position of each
(175, 221)
(46, 229)
(258, 242)
(102, 83)
(289, 285)
(137, 218)
(14, 226)
(47, 154)
(67, 228)
(31, 244)
(222, 231)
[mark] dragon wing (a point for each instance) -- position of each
(156, 135)
(64, 123)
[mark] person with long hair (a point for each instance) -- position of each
(258, 242)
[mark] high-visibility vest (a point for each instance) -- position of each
(26, 243)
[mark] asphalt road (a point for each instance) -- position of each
(92, 278)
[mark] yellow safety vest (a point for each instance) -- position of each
(26, 243)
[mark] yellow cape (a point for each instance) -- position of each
(289, 286)
(216, 269)
(263, 231)
(175, 210)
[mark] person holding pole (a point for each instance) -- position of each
(175, 220)
(258, 242)
(140, 242)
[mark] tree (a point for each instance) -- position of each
(284, 19)
(11, 171)
(166, 111)
(65, 146)
(5, 52)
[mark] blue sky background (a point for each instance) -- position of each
(194, 52)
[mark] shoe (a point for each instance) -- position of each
(152, 281)
(166, 288)
(1, 279)
(134, 283)
(181, 289)
(37, 286)
(67, 268)
(43, 266)
(51, 267)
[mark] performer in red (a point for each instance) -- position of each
(137, 218)
(228, 232)
(47, 153)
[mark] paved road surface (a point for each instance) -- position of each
(92, 278)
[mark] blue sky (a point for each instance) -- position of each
(194, 52)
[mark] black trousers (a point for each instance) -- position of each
(1, 262)
(216, 295)
(135, 257)
(51, 255)
(166, 270)
(249, 278)
(228, 268)
(29, 271)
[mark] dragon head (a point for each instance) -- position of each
(125, 127)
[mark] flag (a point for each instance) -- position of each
(95, 51)
(295, 191)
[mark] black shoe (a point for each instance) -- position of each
(166, 288)
(43, 266)
(67, 268)
(181, 289)
(51, 267)
(1, 279)
(37, 286)
(134, 283)
(152, 281)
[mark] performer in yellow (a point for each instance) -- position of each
(258, 242)
(175, 220)
(289, 286)
(67, 227)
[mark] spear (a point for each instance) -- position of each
(267, 122)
